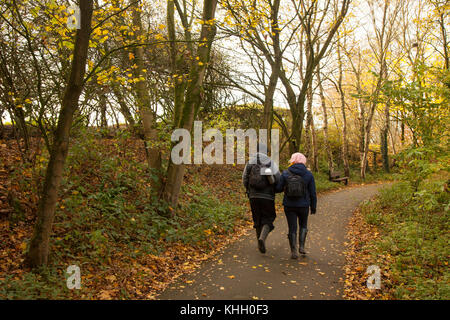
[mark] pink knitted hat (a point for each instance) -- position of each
(298, 158)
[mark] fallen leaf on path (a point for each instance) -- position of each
(107, 294)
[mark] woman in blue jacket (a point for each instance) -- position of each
(297, 207)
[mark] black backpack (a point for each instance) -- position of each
(256, 179)
(295, 186)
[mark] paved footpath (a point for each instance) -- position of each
(242, 272)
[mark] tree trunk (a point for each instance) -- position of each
(20, 119)
(364, 160)
(297, 128)
(39, 245)
(315, 154)
(192, 98)
(402, 137)
(310, 135)
(362, 122)
(325, 123)
(268, 101)
(275, 66)
(124, 109)
(102, 105)
(18, 113)
(384, 138)
(2, 126)
(344, 115)
(143, 98)
(374, 161)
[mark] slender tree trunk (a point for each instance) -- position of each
(275, 66)
(364, 160)
(114, 114)
(362, 111)
(315, 154)
(368, 126)
(308, 139)
(18, 113)
(362, 122)
(143, 98)
(39, 245)
(2, 126)
(20, 119)
(344, 115)
(310, 134)
(374, 161)
(102, 105)
(325, 123)
(297, 128)
(384, 138)
(444, 38)
(170, 190)
(402, 128)
(124, 109)
(268, 101)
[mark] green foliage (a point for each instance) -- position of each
(323, 183)
(237, 116)
(422, 103)
(419, 163)
(372, 176)
(414, 218)
(205, 215)
(43, 284)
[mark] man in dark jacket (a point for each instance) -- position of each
(298, 207)
(261, 192)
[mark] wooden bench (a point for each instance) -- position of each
(336, 177)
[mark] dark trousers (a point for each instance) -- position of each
(263, 212)
(294, 214)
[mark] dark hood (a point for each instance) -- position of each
(298, 168)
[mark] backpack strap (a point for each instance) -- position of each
(291, 173)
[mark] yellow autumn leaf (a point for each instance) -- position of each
(111, 278)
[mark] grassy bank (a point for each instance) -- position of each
(109, 222)
(406, 233)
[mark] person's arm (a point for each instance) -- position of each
(281, 182)
(312, 195)
(245, 174)
(276, 173)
